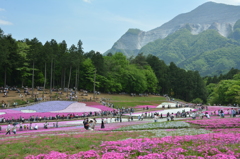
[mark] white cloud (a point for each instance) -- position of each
(232, 2)
(3, 22)
(88, 1)
(1, 9)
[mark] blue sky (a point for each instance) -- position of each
(98, 23)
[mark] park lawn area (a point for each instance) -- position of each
(70, 142)
(128, 101)
(135, 99)
(133, 104)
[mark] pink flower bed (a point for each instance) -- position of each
(60, 108)
(211, 109)
(217, 123)
(99, 106)
(28, 115)
(102, 107)
(196, 146)
(78, 107)
(74, 125)
(227, 130)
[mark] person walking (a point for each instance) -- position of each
(221, 113)
(102, 124)
(94, 123)
(21, 127)
(172, 117)
(8, 129)
(14, 129)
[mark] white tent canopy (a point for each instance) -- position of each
(166, 104)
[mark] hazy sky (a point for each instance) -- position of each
(98, 23)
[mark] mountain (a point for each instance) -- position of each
(209, 27)
(210, 15)
(207, 52)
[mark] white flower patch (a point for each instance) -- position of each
(161, 125)
(28, 111)
(175, 132)
(1, 113)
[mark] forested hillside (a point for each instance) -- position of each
(208, 52)
(51, 65)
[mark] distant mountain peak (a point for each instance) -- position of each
(210, 15)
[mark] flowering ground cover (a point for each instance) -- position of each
(174, 132)
(99, 106)
(53, 108)
(157, 143)
(158, 125)
(233, 130)
(218, 138)
(217, 123)
(188, 146)
(58, 141)
(226, 110)
(78, 107)
(102, 107)
(46, 106)
(71, 126)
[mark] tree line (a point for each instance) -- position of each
(224, 89)
(51, 65)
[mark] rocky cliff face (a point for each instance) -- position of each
(210, 15)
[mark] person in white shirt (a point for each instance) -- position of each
(36, 127)
(155, 118)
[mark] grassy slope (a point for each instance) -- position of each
(128, 101)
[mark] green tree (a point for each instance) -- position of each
(9, 57)
(197, 101)
(24, 67)
(34, 51)
(133, 80)
(87, 73)
(161, 71)
(151, 79)
(226, 92)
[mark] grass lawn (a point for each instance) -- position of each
(132, 104)
(128, 101)
(127, 98)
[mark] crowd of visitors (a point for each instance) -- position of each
(27, 126)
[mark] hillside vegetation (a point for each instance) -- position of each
(208, 52)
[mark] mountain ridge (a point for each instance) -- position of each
(174, 40)
(197, 19)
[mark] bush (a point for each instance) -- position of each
(197, 101)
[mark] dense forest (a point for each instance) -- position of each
(53, 65)
(224, 89)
